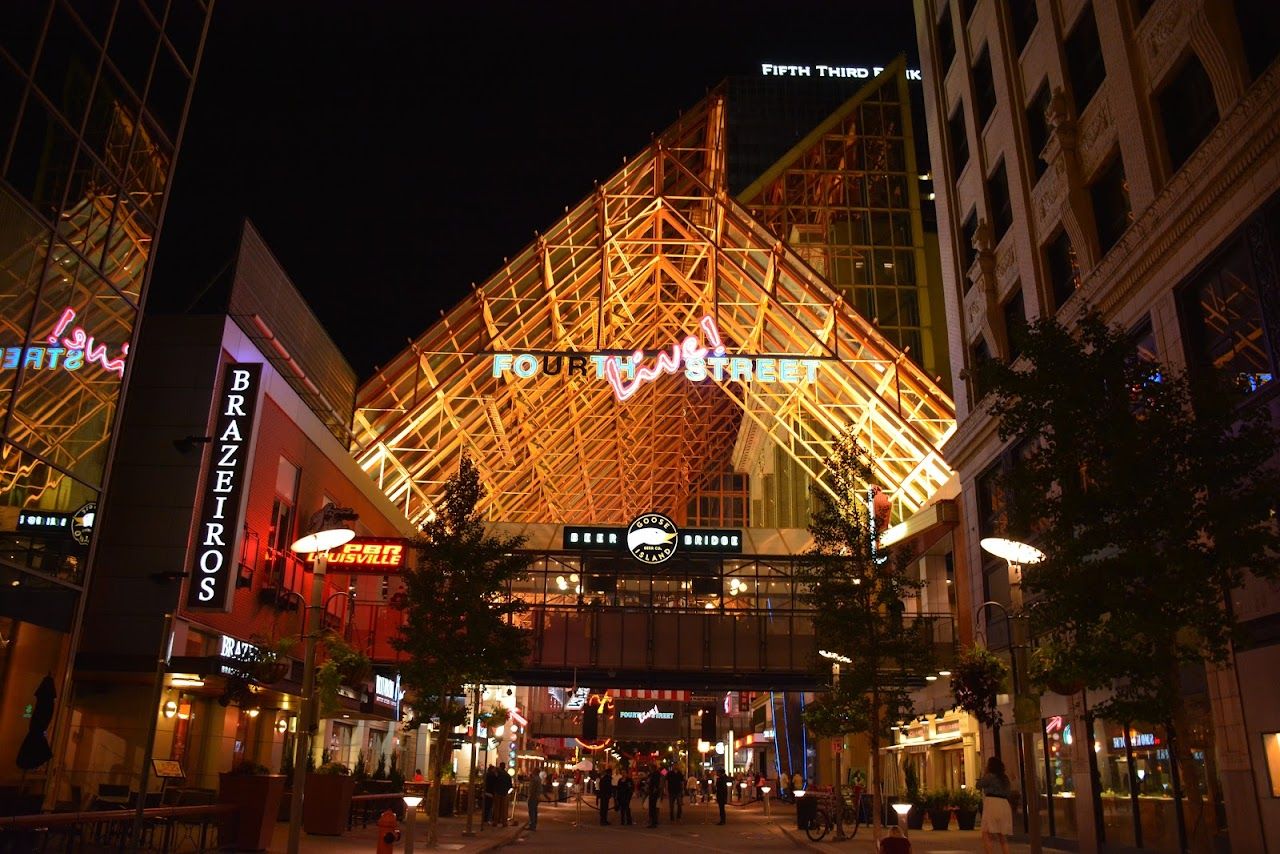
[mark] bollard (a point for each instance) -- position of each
(388, 832)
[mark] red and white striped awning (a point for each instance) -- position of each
(644, 694)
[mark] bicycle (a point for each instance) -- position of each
(824, 819)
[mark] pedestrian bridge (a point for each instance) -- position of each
(699, 621)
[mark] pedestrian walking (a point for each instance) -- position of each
(675, 793)
(625, 788)
(490, 792)
(722, 792)
(997, 814)
(535, 797)
(655, 794)
(604, 794)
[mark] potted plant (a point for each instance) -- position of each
(343, 665)
(967, 802)
(915, 818)
(326, 804)
(256, 793)
(937, 804)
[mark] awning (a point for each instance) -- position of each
(927, 525)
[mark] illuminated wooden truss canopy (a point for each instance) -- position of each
(635, 266)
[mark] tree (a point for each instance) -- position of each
(857, 592)
(459, 622)
(1149, 492)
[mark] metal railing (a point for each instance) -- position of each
(164, 830)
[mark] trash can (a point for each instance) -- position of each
(806, 812)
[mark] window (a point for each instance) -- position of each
(1038, 128)
(984, 87)
(979, 355)
(1060, 264)
(1001, 206)
(946, 40)
(1188, 111)
(990, 501)
(1110, 195)
(1259, 22)
(1015, 321)
(958, 136)
(1023, 17)
(967, 232)
(280, 535)
(1084, 60)
(1223, 315)
(1271, 747)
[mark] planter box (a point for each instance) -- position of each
(326, 803)
(940, 819)
(257, 800)
(915, 818)
(966, 819)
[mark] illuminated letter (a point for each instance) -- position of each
(914, 74)
(695, 370)
(766, 69)
(804, 71)
(34, 359)
(239, 380)
(740, 369)
(767, 370)
(788, 370)
(717, 364)
(876, 69)
(577, 366)
(213, 534)
(220, 502)
(524, 366)
(11, 357)
(811, 366)
(232, 433)
(206, 590)
(235, 404)
(74, 360)
(222, 480)
(548, 361)
(501, 362)
(54, 353)
(228, 454)
(204, 561)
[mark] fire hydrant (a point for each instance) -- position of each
(388, 832)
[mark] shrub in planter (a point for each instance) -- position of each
(256, 793)
(967, 803)
(326, 803)
(938, 805)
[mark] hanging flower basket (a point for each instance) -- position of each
(976, 679)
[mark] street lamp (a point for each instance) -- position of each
(327, 529)
(902, 810)
(765, 790)
(411, 812)
(1016, 554)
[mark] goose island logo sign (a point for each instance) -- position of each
(652, 538)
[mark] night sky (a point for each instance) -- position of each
(391, 153)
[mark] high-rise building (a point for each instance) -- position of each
(1124, 155)
(93, 100)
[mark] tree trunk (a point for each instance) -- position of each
(873, 776)
(436, 766)
(1184, 766)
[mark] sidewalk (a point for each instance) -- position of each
(365, 840)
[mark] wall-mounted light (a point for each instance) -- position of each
(253, 713)
(186, 682)
(184, 711)
(170, 709)
(282, 725)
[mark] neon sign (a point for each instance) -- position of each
(861, 72)
(698, 359)
(69, 347)
(377, 555)
(652, 714)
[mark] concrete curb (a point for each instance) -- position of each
(506, 839)
(798, 839)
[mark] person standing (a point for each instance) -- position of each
(654, 792)
(675, 793)
(604, 793)
(625, 788)
(500, 800)
(535, 797)
(722, 792)
(490, 792)
(997, 815)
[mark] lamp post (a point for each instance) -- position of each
(836, 660)
(765, 791)
(1016, 554)
(327, 529)
(410, 816)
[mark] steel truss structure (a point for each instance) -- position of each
(635, 266)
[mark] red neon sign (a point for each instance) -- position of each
(84, 342)
(376, 555)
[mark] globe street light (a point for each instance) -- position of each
(327, 529)
(1016, 554)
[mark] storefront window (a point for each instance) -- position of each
(1059, 738)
